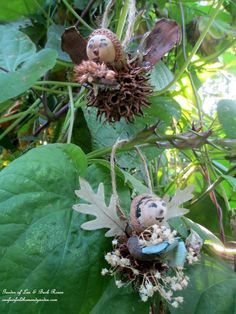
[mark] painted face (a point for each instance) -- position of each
(100, 48)
(147, 210)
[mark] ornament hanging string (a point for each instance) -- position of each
(148, 180)
(106, 13)
(117, 144)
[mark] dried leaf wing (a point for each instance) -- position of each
(164, 36)
(180, 197)
(74, 44)
(106, 216)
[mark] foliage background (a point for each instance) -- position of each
(42, 246)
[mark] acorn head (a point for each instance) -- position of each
(147, 210)
(104, 46)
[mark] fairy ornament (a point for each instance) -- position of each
(147, 251)
(118, 82)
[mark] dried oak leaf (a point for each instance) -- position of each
(106, 217)
(180, 197)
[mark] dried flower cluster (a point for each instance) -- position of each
(118, 94)
(148, 277)
(90, 72)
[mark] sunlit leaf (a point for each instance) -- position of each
(226, 110)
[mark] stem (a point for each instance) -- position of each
(215, 55)
(23, 115)
(72, 115)
(212, 187)
(194, 50)
(57, 83)
(113, 177)
(148, 180)
(122, 20)
(52, 91)
(69, 7)
(106, 13)
(11, 117)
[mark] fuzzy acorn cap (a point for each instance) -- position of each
(147, 210)
(119, 55)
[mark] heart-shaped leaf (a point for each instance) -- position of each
(15, 9)
(20, 65)
(226, 110)
(42, 248)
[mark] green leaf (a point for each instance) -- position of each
(38, 235)
(41, 244)
(23, 66)
(80, 4)
(160, 76)
(164, 108)
(203, 232)
(119, 301)
(16, 47)
(54, 41)
(15, 9)
(226, 110)
(212, 289)
(19, 81)
(231, 180)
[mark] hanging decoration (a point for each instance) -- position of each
(118, 82)
(147, 251)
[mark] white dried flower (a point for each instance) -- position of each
(168, 295)
(175, 304)
(104, 271)
(124, 262)
(114, 242)
(143, 297)
(179, 299)
(135, 271)
(176, 286)
(119, 283)
(157, 275)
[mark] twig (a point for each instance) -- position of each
(69, 7)
(130, 22)
(106, 13)
(87, 8)
(113, 176)
(72, 115)
(148, 180)
(47, 123)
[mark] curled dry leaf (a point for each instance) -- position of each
(180, 197)
(106, 216)
(74, 44)
(164, 36)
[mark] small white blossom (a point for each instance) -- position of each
(135, 271)
(157, 275)
(179, 299)
(184, 283)
(143, 297)
(168, 295)
(176, 286)
(124, 262)
(114, 242)
(175, 304)
(117, 252)
(104, 271)
(119, 283)
(150, 290)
